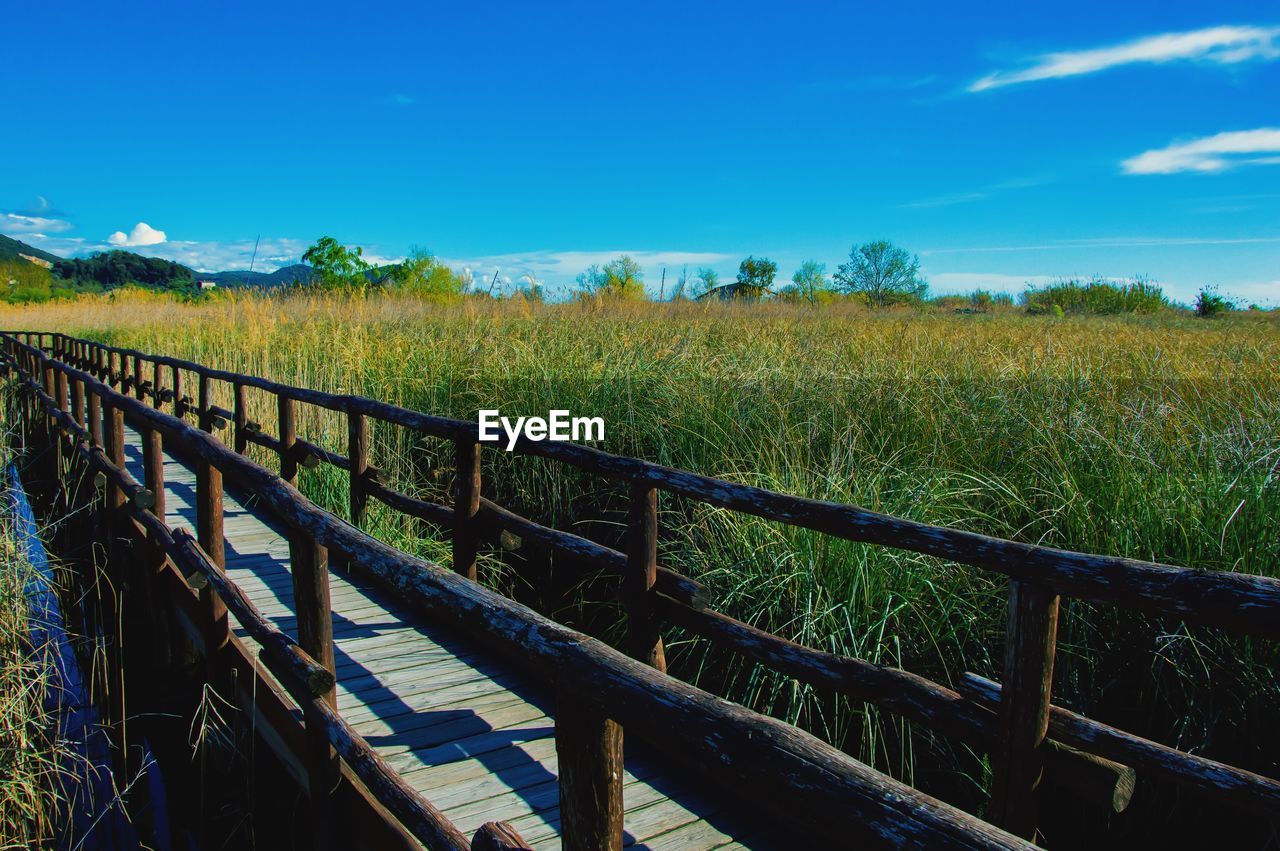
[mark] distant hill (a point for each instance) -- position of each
(110, 269)
(284, 276)
(11, 248)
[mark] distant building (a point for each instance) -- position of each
(733, 291)
(206, 285)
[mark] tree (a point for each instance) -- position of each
(810, 279)
(620, 278)
(883, 273)
(590, 279)
(755, 277)
(334, 266)
(422, 274)
(709, 278)
(111, 269)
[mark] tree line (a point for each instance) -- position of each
(878, 271)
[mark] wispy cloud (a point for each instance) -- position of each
(399, 99)
(872, 83)
(36, 218)
(142, 234)
(1210, 153)
(946, 200)
(1226, 45)
(17, 224)
(977, 195)
(1108, 242)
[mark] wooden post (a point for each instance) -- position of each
(117, 566)
(1030, 636)
(310, 568)
(288, 439)
(589, 751)
(157, 385)
(210, 536)
(61, 394)
(204, 403)
(322, 777)
(95, 419)
(77, 401)
(358, 455)
(153, 468)
(138, 390)
(643, 640)
(239, 437)
(52, 449)
(466, 506)
(65, 445)
(179, 406)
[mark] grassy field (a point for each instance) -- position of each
(1155, 437)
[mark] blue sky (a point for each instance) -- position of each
(1003, 142)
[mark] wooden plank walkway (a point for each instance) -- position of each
(472, 735)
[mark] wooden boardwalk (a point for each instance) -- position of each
(471, 729)
(468, 732)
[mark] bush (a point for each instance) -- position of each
(1209, 303)
(1098, 296)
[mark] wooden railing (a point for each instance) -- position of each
(601, 692)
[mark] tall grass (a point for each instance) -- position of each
(29, 754)
(1150, 437)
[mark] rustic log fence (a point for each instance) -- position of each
(77, 399)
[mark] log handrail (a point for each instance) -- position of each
(620, 687)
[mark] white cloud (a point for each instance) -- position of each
(1226, 45)
(142, 234)
(1210, 153)
(1264, 293)
(20, 224)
